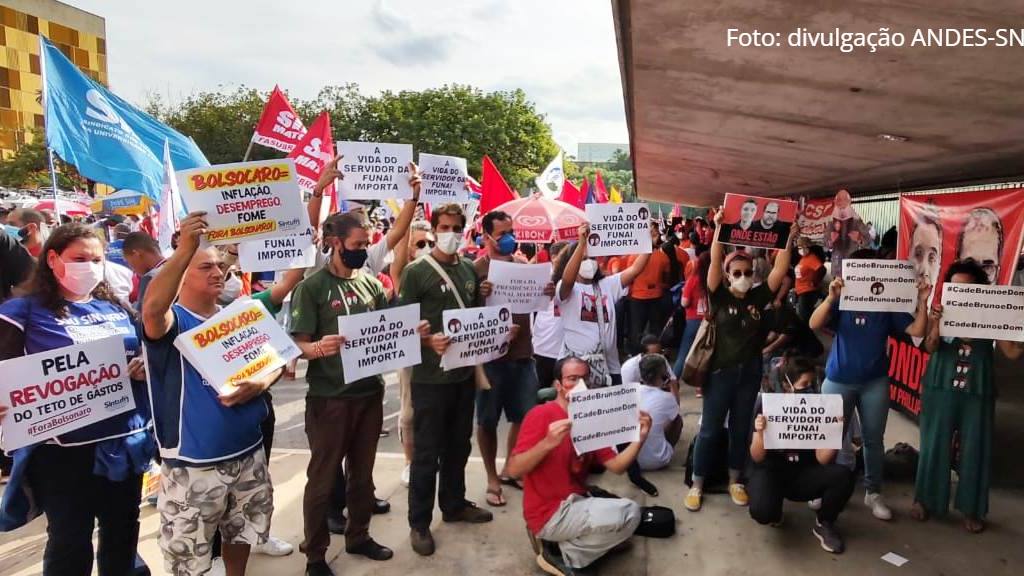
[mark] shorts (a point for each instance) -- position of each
(235, 496)
(513, 391)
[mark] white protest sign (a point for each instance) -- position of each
(982, 311)
(246, 200)
(241, 342)
(380, 341)
(520, 286)
(477, 335)
(273, 254)
(604, 417)
(879, 286)
(803, 421)
(617, 229)
(444, 179)
(64, 389)
(374, 171)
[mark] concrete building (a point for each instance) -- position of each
(81, 36)
(598, 152)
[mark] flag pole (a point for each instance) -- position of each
(53, 180)
(248, 151)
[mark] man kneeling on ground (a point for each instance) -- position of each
(800, 475)
(574, 529)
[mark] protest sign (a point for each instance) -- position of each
(617, 229)
(815, 219)
(907, 364)
(982, 311)
(379, 341)
(64, 389)
(273, 254)
(604, 417)
(520, 286)
(879, 286)
(375, 171)
(803, 421)
(756, 222)
(241, 342)
(444, 179)
(477, 335)
(246, 200)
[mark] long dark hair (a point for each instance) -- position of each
(703, 265)
(46, 286)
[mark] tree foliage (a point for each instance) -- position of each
(29, 167)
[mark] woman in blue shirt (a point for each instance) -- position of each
(858, 368)
(93, 474)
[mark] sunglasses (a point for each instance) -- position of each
(424, 243)
(738, 273)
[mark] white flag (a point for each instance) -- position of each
(552, 178)
(171, 206)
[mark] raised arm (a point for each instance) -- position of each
(717, 256)
(621, 462)
(572, 267)
(782, 259)
(157, 317)
(931, 341)
(328, 175)
(823, 313)
(405, 215)
(630, 274)
(289, 280)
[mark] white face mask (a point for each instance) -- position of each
(581, 386)
(421, 252)
(449, 242)
(679, 235)
(742, 284)
(81, 278)
(588, 269)
(232, 289)
(803, 251)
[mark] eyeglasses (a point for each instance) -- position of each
(738, 273)
(424, 243)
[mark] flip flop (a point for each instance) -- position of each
(510, 481)
(498, 498)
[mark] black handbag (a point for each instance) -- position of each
(656, 522)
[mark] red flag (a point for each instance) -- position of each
(496, 190)
(279, 127)
(572, 195)
(312, 153)
(600, 192)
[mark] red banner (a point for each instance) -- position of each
(312, 153)
(935, 231)
(279, 126)
(815, 218)
(756, 222)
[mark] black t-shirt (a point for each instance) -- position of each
(15, 264)
(784, 457)
(741, 325)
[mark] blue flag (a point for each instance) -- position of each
(106, 138)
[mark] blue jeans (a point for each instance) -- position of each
(689, 335)
(731, 392)
(871, 399)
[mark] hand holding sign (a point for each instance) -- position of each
(191, 230)
(439, 343)
(645, 425)
(331, 344)
(415, 180)
(557, 431)
(243, 392)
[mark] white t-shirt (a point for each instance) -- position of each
(547, 331)
(656, 452)
(120, 279)
(631, 370)
(580, 321)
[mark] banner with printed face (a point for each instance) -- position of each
(61, 390)
(846, 232)
(982, 311)
(604, 417)
(934, 231)
(879, 286)
(380, 341)
(375, 171)
(618, 229)
(815, 219)
(803, 421)
(273, 254)
(756, 222)
(246, 200)
(444, 179)
(241, 342)
(519, 286)
(477, 335)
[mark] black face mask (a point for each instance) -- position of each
(353, 259)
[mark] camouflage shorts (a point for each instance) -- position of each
(235, 496)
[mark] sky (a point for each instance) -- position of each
(562, 53)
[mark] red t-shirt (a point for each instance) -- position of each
(696, 298)
(561, 473)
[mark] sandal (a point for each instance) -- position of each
(510, 481)
(495, 498)
(974, 525)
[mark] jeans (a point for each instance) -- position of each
(871, 399)
(731, 392)
(689, 336)
(772, 481)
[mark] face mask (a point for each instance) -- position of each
(581, 386)
(353, 259)
(23, 232)
(81, 278)
(506, 244)
(679, 235)
(803, 251)
(743, 284)
(422, 252)
(232, 289)
(449, 242)
(588, 269)
(13, 231)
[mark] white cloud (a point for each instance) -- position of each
(561, 53)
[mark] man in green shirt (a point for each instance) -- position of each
(343, 418)
(442, 401)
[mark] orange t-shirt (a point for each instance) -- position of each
(617, 264)
(684, 261)
(650, 284)
(806, 273)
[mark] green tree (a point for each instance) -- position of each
(620, 160)
(29, 167)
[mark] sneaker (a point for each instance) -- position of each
(738, 492)
(422, 541)
(371, 550)
(319, 569)
(550, 560)
(831, 540)
(273, 547)
(879, 510)
(217, 568)
(404, 479)
(693, 499)
(814, 504)
(469, 514)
